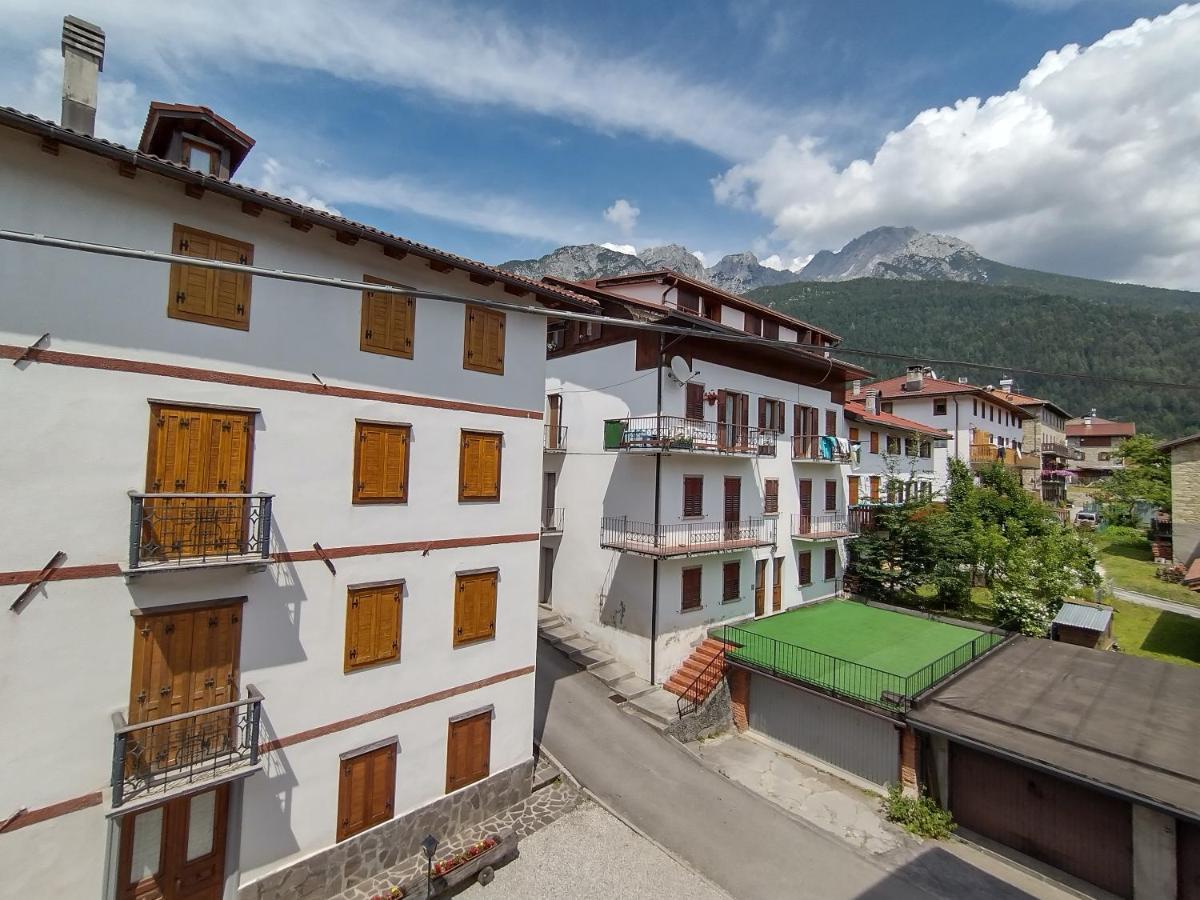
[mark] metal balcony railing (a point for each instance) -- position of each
(552, 520)
(680, 435)
(684, 538)
(154, 757)
(173, 529)
(818, 448)
(555, 438)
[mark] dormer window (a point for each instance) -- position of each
(202, 157)
(196, 137)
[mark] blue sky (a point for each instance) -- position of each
(504, 130)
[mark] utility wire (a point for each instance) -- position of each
(814, 354)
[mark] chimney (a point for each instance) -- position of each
(915, 380)
(1087, 420)
(856, 387)
(83, 61)
(872, 401)
(962, 379)
(1006, 385)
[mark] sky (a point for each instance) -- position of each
(1062, 135)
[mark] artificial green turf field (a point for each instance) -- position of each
(894, 644)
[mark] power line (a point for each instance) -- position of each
(43, 240)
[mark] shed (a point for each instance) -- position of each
(1083, 624)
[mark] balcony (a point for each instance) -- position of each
(684, 538)
(189, 531)
(552, 520)
(675, 434)
(984, 454)
(832, 526)
(153, 759)
(554, 438)
(818, 448)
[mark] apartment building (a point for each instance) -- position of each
(697, 480)
(983, 426)
(892, 459)
(1045, 434)
(272, 547)
(1096, 441)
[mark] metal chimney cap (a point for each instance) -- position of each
(83, 37)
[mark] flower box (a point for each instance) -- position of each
(476, 861)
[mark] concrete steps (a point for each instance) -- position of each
(563, 636)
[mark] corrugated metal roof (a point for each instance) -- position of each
(1079, 615)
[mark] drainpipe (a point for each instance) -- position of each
(657, 495)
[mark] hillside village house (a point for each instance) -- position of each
(700, 481)
(295, 525)
(892, 459)
(1045, 436)
(1097, 441)
(983, 426)
(1185, 504)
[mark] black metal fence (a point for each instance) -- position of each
(554, 438)
(682, 435)
(702, 685)
(176, 528)
(682, 538)
(813, 448)
(185, 748)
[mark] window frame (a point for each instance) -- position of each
(734, 566)
(831, 492)
(830, 570)
(804, 569)
(693, 394)
(684, 574)
(469, 363)
(463, 497)
(770, 496)
(188, 143)
(697, 496)
(940, 406)
(355, 497)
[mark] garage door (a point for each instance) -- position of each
(1069, 826)
(855, 741)
(1187, 848)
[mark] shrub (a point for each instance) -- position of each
(918, 815)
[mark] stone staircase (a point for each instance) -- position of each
(700, 673)
(619, 678)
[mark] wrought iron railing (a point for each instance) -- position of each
(552, 519)
(684, 538)
(843, 677)
(702, 685)
(819, 526)
(681, 435)
(818, 448)
(555, 438)
(190, 747)
(167, 529)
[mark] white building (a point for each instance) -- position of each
(314, 511)
(893, 459)
(984, 426)
(700, 481)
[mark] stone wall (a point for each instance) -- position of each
(1185, 501)
(344, 865)
(713, 717)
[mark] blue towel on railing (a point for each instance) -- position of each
(827, 445)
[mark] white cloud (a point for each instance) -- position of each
(627, 249)
(623, 214)
(1089, 166)
(700, 256)
(274, 180)
(773, 262)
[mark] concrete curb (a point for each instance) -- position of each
(1033, 873)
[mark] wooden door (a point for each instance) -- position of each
(554, 420)
(777, 585)
(733, 506)
(760, 587)
(468, 750)
(804, 490)
(175, 851)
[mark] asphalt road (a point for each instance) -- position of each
(740, 841)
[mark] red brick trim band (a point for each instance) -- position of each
(106, 570)
(113, 364)
(334, 727)
(53, 811)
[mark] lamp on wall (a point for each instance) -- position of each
(429, 847)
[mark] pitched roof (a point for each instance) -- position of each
(46, 130)
(1027, 400)
(858, 411)
(893, 389)
(1100, 427)
(1178, 442)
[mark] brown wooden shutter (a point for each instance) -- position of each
(777, 585)
(733, 498)
(468, 751)
(731, 581)
(381, 463)
(483, 344)
(780, 415)
(721, 407)
(771, 495)
(852, 490)
(366, 790)
(770, 329)
(211, 296)
(695, 401)
(475, 607)
(762, 412)
(831, 422)
(372, 625)
(804, 490)
(811, 426)
(830, 495)
(479, 466)
(830, 563)
(693, 495)
(804, 566)
(875, 488)
(690, 588)
(853, 435)
(387, 321)
(874, 441)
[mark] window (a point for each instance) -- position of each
(753, 324)
(479, 466)
(475, 606)
(387, 322)
(874, 441)
(770, 496)
(202, 157)
(689, 591)
(372, 624)
(687, 300)
(695, 401)
(366, 789)
(556, 335)
(771, 414)
(893, 445)
(991, 414)
(886, 406)
(939, 406)
(875, 488)
(210, 296)
(854, 435)
(926, 448)
(831, 421)
(1103, 457)
(804, 566)
(911, 446)
(712, 310)
(731, 581)
(483, 343)
(830, 563)
(831, 487)
(693, 495)
(468, 749)
(852, 490)
(974, 406)
(381, 463)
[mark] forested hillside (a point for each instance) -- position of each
(1018, 327)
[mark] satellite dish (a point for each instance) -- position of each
(680, 370)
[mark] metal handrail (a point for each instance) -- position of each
(681, 538)
(689, 701)
(834, 525)
(252, 696)
(199, 496)
(552, 518)
(687, 435)
(197, 527)
(807, 447)
(554, 437)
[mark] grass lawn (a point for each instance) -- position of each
(978, 608)
(1126, 560)
(1165, 636)
(814, 643)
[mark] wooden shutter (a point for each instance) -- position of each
(830, 495)
(381, 463)
(811, 426)
(475, 607)
(468, 751)
(690, 588)
(771, 495)
(830, 563)
(373, 617)
(831, 422)
(693, 495)
(852, 490)
(387, 322)
(770, 329)
(777, 585)
(874, 441)
(853, 435)
(804, 490)
(366, 790)
(780, 413)
(483, 344)
(762, 412)
(479, 466)
(733, 498)
(753, 324)
(695, 401)
(731, 581)
(875, 488)
(211, 296)
(804, 566)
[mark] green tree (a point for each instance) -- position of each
(1146, 478)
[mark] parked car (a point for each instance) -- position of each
(1085, 519)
